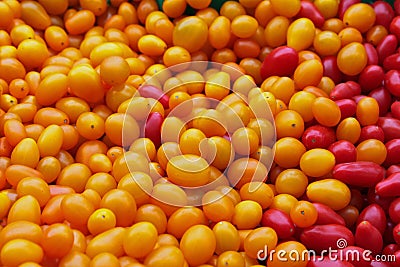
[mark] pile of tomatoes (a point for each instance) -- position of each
(133, 134)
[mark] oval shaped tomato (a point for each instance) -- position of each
(279, 221)
(318, 136)
(198, 237)
(282, 61)
(352, 59)
(392, 82)
(323, 190)
(303, 27)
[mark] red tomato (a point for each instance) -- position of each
(384, 99)
(318, 136)
(371, 77)
(344, 91)
(372, 54)
(390, 187)
(279, 221)
(368, 237)
(395, 26)
(392, 169)
(371, 132)
(282, 61)
(322, 237)
(348, 108)
(359, 173)
(390, 127)
(153, 128)
(394, 211)
(393, 152)
(386, 47)
(390, 249)
(331, 68)
(344, 151)
(392, 62)
(392, 82)
(396, 6)
(375, 215)
(310, 11)
(395, 109)
(326, 215)
(384, 13)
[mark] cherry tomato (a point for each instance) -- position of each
(281, 61)
(301, 27)
(352, 59)
(392, 82)
(318, 137)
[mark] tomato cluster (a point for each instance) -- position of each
(133, 134)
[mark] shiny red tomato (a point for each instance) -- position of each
(371, 132)
(282, 61)
(392, 82)
(344, 151)
(371, 77)
(318, 136)
(384, 13)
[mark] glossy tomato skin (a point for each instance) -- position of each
(344, 151)
(393, 152)
(390, 127)
(279, 221)
(327, 262)
(318, 136)
(348, 108)
(392, 62)
(331, 69)
(396, 233)
(392, 169)
(372, 54)
(386, 47)
(282, 61)
(395, 26)
(371, 132)
(371, 77)
(321, 237)
(384, 99)
(150, 91)
(310, 11)
(327, 215)
(375, 215)
(384, 13)
(344, 5)
(368, 237)
(392, 82)
(395, 109)
(152, 129)
(394, 210)
(390, 187)
(345, 91)
(360, 173)
(390, 249)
